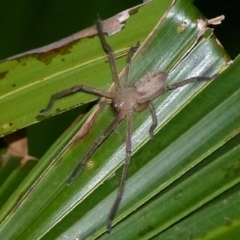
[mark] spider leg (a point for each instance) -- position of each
(131, 52)
(95, 146)
(154, 119)
(174, 86)
(115, 206)
(108, 50)
(151, 97)
(74, 90)
(190, 80)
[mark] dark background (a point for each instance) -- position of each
(28, 24)
(229, 31)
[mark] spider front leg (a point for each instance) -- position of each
(108, 50)
(131, 52)
(74, 90)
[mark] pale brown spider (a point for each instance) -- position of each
(125, 100)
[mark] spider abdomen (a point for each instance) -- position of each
(151, 83)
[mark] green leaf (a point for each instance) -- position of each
(32, 79)
(170, 177)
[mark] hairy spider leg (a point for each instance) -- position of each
(95, 146)
(190, 80)
(118, 199)
(108, 50)
(128, 63)
(154, 119)
(74, 90)
(174, 86)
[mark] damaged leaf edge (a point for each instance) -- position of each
(111, 26)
